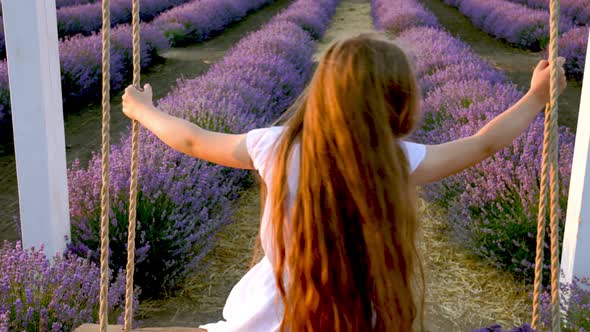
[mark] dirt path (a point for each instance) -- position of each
(82, 129)
(352, 18)
(517, 63)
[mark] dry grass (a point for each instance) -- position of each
(463, 290)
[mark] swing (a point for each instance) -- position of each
(104, 194)
(549, 189)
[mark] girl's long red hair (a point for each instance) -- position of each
(344, 253)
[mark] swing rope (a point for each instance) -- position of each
(134, 170)
(549, 191)
(104, 194)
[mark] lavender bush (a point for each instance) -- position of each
(573, 46)
(173, 221)
(411, 14)
(39, 295)
(66, 3)
(310, 15)
(81, 61)
(577, 314)
(518, 25)
(87, 18)
(576, 10)
(198, 20)
(498, 328)
(492, 206)
(184, 201)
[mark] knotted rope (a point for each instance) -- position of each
(550, 178)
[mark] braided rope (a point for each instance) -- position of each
(554, 172)
(541, 222)
(554, 168)
(550, 176)
(134, 173)
(104, 193)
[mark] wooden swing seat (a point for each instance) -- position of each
(119, 328)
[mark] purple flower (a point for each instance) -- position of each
(57, 296)
(577, 315)
(498, 328)
(573, 46)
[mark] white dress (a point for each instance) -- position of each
(252, 303)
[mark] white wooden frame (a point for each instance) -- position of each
(32, 51)
(575, 259)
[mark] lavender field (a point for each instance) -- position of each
(236, 65)
(525, 24)
(80, 58)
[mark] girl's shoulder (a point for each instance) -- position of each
(415, 152)
(260, 143)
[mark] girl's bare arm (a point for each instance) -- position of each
(449, 158)
(184, 136)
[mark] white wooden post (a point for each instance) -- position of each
(30, 28)
(575, 259)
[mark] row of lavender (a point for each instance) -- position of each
(576, 10)
(182, 201)
(87, 18)
(527, 28)
(66, 3)
(517, 24)
(491, 207)
(80, 56)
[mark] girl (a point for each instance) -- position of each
(339, 224)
